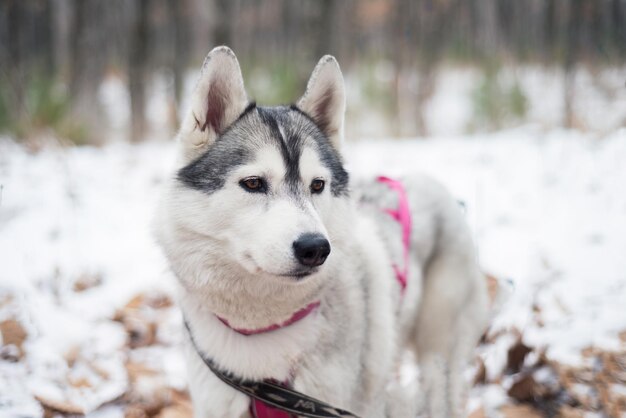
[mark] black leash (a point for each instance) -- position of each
(277, 396)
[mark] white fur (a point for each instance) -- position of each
(228, 251)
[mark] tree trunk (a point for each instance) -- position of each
(181, 11)
(87, 62)
(326, 28)
(14, 63)
(137, 71)
(223, 17)
(569, 62)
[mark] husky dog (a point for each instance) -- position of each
(260, 221)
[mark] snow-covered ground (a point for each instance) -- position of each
(548, 210)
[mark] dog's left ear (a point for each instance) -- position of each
(325, 99)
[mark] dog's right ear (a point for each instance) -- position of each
(217, 101)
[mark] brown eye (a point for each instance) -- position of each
(253, 184)
(317, 186)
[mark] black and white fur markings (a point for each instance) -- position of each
(288, 129)
(231, 248)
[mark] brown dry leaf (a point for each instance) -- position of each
(571, 375)
(139, 319)
(79, 383)
(520, 411)
(516, 355)
(176, 411)
(138, 370)
(136, 302)
(13, 334)
(622, 336)
(135, 411)
(59, 406)
(615, 400)
(615, 366)
(154, 300)
(526, 389)
(180, 396)
(180, 406)
(87, 281)
(141, 332)
(566, 411)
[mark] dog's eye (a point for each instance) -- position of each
(317, 186)
(253, 184)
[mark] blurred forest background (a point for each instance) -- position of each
(92, 70)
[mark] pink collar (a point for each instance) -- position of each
(301, 314)
(403, 216)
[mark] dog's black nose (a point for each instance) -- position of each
(311, 250)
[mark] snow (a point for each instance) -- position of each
(548, 210)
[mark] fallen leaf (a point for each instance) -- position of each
(135, 411)
(516, 356)
(87, 281)
(13, 334)
(526, 389)
(60, 406)
(176, 411)
(566, 411)
(520, 411)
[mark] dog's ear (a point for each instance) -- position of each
(325, 99)
(218, 99)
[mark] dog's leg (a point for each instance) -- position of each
(434, 339)
(451, 319)
(451, 316)
(470, 325)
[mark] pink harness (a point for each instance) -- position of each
(402, 215)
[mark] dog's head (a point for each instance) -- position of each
(257, 185)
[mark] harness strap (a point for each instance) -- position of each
(273, 395)
(402, 215)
